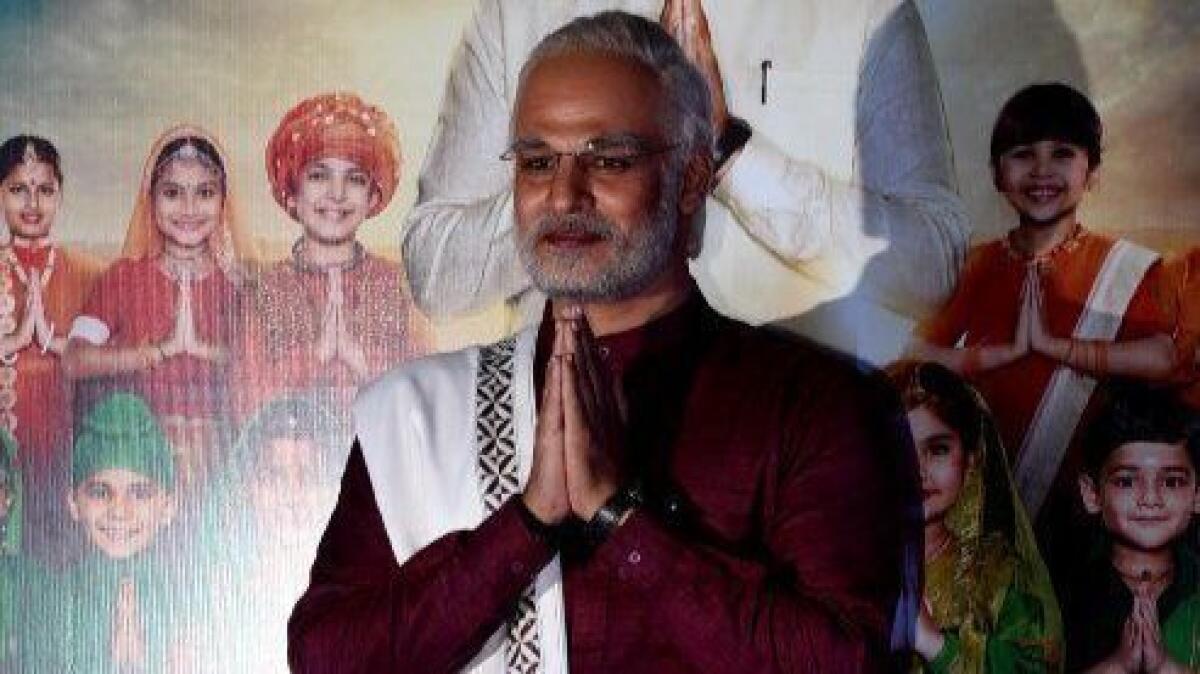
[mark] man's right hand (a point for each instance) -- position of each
(686, 21)
(546, 493)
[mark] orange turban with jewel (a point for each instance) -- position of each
(334, 125)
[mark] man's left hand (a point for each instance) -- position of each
(593, 422)
(686, 21)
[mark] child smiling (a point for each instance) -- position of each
(121, 608)
(988, 605)
(1045, 314)
(1134, 606)
(332, 315)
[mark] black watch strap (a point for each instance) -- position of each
(735, 136)
(608, 516)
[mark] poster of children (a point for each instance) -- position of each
(225, 220)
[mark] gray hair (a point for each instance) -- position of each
(642, 41)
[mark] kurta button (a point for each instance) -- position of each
(635, 557)
(604, 351)
(517, 567)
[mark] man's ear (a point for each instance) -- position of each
(697, 179)
(1093, 178)
(1090, 495)
(376, 197)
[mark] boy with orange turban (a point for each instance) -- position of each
(331, 315)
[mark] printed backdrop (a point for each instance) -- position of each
(102, 79)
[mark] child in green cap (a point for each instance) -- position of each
(119, 608)
(122, 477)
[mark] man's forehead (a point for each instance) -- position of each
(601, 94)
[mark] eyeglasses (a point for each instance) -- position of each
(604, 157)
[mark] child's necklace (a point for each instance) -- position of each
(24, 275)
(1146, 578)
(1069, 242)
(178, 268)
(301, 258)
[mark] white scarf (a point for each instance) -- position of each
(1062, 404)
(416, 426)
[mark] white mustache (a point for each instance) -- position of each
(587, 224)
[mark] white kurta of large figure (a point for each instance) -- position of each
(846, 187)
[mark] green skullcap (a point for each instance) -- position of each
(121, 432)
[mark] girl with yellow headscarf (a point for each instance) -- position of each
(988, 605)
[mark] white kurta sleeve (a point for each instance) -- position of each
(899, 220)
(897, 225)
(458, 246)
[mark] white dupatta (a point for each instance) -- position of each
(1069, 391)
(416, 427)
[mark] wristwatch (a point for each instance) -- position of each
(735, 136)
(609, 515)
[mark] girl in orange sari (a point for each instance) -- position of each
(160, 320)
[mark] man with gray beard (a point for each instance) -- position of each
(638, 484)
(638, 256)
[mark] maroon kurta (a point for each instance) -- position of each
(771, 542)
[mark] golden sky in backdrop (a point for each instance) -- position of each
(102, 78)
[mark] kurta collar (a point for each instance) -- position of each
(663, 337)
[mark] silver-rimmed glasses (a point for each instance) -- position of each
(606, 156)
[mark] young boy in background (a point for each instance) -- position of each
(1134, 603)
(119, 609)
(332, 315)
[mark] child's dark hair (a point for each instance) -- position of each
(1138, 414)
(1049, 111)
(13, 151)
